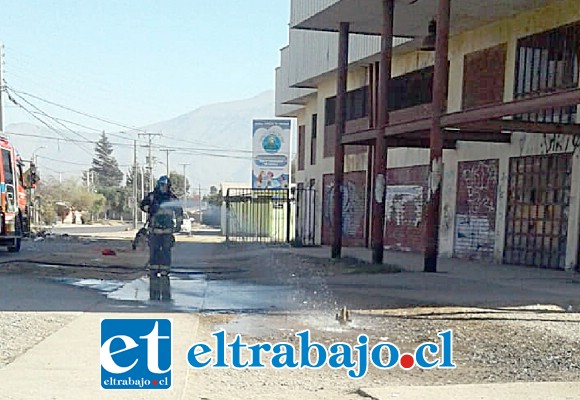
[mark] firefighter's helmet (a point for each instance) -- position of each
(164, 183)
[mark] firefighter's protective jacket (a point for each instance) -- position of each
(165, 214)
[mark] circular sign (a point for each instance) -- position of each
(271, 143)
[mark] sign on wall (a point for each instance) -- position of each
(271, 153)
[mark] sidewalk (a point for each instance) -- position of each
(457, 282)
(66, 364)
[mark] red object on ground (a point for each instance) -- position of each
(108, 252)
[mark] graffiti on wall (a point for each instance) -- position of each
(475, 237)
(476, 209)
(353, 208)
(559, 143)
(404, 204)
(404, 207)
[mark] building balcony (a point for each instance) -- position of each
(411, 17)
(288, 100)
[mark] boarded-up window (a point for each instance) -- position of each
(301, 146)
(483, 77)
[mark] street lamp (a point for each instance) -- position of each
(35, 156)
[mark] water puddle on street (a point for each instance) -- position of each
(272, 324)
(193, 292)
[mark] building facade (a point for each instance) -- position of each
(508, 189)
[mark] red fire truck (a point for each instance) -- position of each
(14, 207)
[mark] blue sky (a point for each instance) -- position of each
(140, 61)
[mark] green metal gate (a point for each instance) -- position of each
(259, 215)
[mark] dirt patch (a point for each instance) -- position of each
(76, 257)
(489, 346)
(276, 265)
(20, 331)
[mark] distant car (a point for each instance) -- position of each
(186, 224)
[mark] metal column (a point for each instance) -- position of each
(380, 154)
(440, 85)
(340, 128)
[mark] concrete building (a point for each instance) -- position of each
(507, 187)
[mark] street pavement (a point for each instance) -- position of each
(77, 229)
(65, 365)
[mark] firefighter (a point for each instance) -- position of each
(164, 218)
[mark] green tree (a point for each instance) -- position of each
(57, 199)
(105, 166)
(177, 183)
(144, 177)
(214, 198)
(108, 178)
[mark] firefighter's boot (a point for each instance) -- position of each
(154, 283)
(164, 283)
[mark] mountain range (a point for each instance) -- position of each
(214, 140)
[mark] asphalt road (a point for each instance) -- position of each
(89, 229)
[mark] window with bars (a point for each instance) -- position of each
(538, 207)
(546, 62)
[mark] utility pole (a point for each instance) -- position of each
(134, 184)
(143, 216)
(2, 86)
(184, 183)
(150, 156)
(167, 151)
(199, 193)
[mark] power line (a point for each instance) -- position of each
(59, 139)
(181, 140)
(76, 111)
(85, 164)
(63, 161)
(181, 150)
(44, 122)
(128, 127)
(50, 117)
(150, 157)
(207, 144)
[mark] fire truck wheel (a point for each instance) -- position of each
(16, 247)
